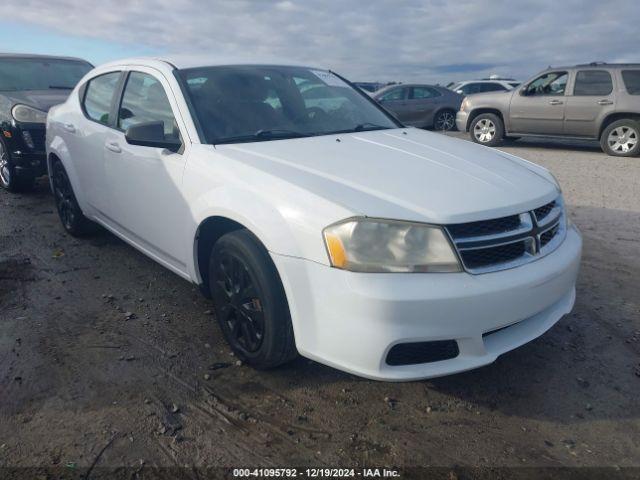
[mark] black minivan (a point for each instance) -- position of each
(29, 86)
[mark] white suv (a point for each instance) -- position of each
(315, 221)
(469, 87)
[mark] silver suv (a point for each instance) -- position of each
(596, 101)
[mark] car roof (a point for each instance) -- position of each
(182, 62)
(37, 56)
(595, 66)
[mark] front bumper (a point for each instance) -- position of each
(28, 159)
(351, 320)
(461, 120)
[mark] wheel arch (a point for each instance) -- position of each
(614, 117)
(479, 111)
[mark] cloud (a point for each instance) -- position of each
(413, 40)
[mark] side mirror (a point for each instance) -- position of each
(151, 134)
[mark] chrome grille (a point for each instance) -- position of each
(507, 242)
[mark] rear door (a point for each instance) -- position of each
(396, 101)
(87, 137)
(591, 100)
(423, 102)
(539, 106)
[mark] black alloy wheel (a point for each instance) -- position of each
(250, 303)
(238, 303)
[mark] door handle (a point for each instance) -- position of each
(605, 102)
(69, 127)
(555, 102)
(113, 146)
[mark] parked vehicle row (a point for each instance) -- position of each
(597, 101)
(316, 221)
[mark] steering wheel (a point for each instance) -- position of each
(316, 114)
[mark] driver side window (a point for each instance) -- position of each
(145, 100)
(551, 83)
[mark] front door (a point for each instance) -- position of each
(592, 100)
(539, 106)
(145, 183)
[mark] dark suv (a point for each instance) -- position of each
(595, 101)
(29, 86)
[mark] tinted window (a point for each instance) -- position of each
(492, 87)
(632, 81)
(393, 94)
(98, 96)
(593, 82)
(552, 83)
(470, 88)
(144, 100)
(250, 103)
(418, 93)
(40, 74)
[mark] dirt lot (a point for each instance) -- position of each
(107, 359)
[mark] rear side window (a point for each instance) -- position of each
(593, 82)
(632, 81)
(418, 93)
(492, 87)
(99, 95)
(145, 101)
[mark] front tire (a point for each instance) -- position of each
(9, 179)
(445, 121)
(71, 216)
(487, 129)
(250, 302)
(621, 138)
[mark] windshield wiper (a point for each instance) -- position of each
(361, 127)
(264, 134)
(60, 87)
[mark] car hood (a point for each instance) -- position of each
(40, 99)
(405, 174)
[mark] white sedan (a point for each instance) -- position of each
(318, 226)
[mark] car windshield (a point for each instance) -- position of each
(40, 73)
(235, 104)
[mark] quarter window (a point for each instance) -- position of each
(99, 95)
(593, 82)
(632, 81)
(145, 101)
(552, 83)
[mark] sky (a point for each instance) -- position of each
(431, 41)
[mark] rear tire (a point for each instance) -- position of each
(249, 300)
(71, 216)
(487, 129)
(621, 138)
(445, 121)
(9, 179)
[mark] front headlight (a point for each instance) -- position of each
(25, 114)
(378, 245)
(464, 105)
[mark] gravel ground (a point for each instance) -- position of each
(109, 360)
